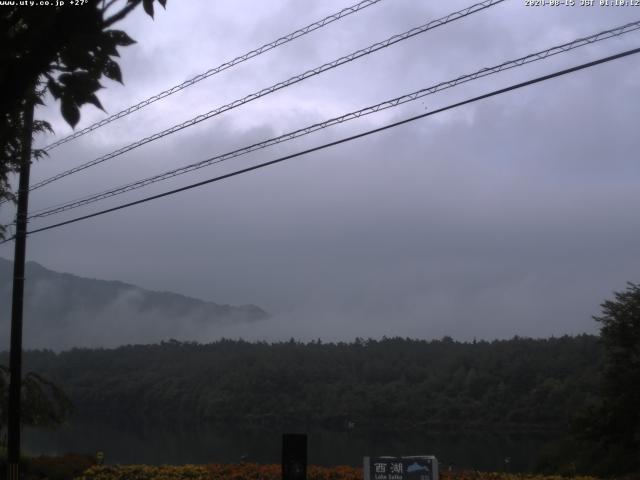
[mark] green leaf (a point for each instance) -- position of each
(39, 153)
(120, 38)
(112, 70)
(80, 88)
(93, 100)
(148, 7)
(66, 79)
(70, 111)
(55, 89)
(42, 126)
(108, 44)
(77, 55)
(80, 84)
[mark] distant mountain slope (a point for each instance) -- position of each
(64, 310)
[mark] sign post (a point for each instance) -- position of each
(418, 467)
(294, 457)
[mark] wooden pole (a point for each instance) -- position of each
(15, 354)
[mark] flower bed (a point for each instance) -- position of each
(251, 471)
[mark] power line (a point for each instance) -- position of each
(278, 86)
(613, 32)
(240, 59)
(344, 140)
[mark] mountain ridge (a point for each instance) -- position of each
(63, 307)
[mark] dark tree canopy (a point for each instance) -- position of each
(394, 384)
(609, 429)
(44, 404)
(400, 384)
(64, 51)
(620, 333)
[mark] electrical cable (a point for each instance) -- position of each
(213, 71)
(278, 86)
(344, 140)
(613, 32)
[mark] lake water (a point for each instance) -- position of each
(178, 445)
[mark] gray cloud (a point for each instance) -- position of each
(509, 216)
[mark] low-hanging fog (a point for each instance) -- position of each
(515, 215)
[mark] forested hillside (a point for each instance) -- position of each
(392, 383)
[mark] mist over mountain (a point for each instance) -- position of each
(64, 311)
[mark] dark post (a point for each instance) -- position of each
(294, 457)
(15, 355)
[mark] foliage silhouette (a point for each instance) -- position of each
(44, 404)
(64, 51)
(610, 427)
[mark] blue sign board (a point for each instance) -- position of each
(418, 467)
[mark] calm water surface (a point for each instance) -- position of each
(180, 445)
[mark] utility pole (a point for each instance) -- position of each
(15, 355)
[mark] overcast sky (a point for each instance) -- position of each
(516, 215)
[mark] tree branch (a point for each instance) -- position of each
(108, 5)
(121, 14)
